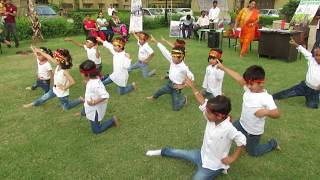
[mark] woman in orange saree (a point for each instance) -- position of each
(247, 19)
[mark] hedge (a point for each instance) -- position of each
(267, 20)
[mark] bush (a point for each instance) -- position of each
(289, 9)
(267, 20)
(149, 23)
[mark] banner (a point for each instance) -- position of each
(305, 12)
(175, 30)
(136, 16)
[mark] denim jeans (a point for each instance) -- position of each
(121, 90)
(178, 100)
(206, 94)
(96, 126)
(43, 84)
(109, 34)
(66, 105)
(318, 38)
(311, 95)
(11, 29)
(187, 28)
(195, 157)
(144, 68)
(253, 147)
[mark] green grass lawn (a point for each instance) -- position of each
(47, 143)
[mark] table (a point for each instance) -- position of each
(275, 44)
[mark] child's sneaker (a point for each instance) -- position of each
(28, 88)
(116, 122)
(135, 86)
(150, 98)
(27, 105)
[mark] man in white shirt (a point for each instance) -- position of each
(214, 14)
(186, 24)
(213, 158)
(202, 23)
(110, 10)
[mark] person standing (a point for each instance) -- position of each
(214, 14)
(111, 9)
(247, 19)
(10, 22)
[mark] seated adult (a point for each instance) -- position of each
(202, 23)
(104, 27)
(89, 25)
(186, 23)
(118, 27)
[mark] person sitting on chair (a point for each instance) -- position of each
(186, 24)
(202, 23)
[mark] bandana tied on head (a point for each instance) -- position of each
(215, 54)
(89, 71)
(118, 42)
(58, 56)
(180, 43)
(258, 81)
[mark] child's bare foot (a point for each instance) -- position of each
(116, 122)
(135, 86)
(77, 114)
(81, 99)
(28, 88)
(27, 105)
(150, 98)
(278, 147)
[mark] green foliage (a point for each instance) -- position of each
(155, 23)
(55, 7)
(267, 20)
(289, 9)
(24, 29)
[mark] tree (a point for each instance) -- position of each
(36, 25)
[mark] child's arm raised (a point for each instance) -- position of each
(235, 75)
(74, 42)
(162, 48)
(304, 51)
(47, 56)
(136, 36)
(166, 41)
(106, 44)
(197, 94)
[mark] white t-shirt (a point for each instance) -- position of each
(94, 90)
(91, 53)
(43, 70)
(213, 80)
(110, 10)
(177, 72)
(203, 21)
(144, 51)
(121, 63)
(252, 102)
(313, 73)
(217, 141)
(60, 79)
(214, 14)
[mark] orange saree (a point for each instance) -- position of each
(248, 22)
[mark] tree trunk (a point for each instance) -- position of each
(36, 25)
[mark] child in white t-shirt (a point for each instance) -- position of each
(256, 106)
(121, 63)
(145, 54)
(213, 79)
(91, 47)
(62, 80)
(213, 158)
(96, 99)
(177, 73)
(44, 74)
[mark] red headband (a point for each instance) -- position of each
(258, 81)
(216, 54)
(58, 56)
(89, 71)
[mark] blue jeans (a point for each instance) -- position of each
(96, 126)
(43, 84)
(195, 157)
(144, 68)
(187, 28)
(66, 105)
(121, 90)
(253, 147)
(311, 95)
(178, 100)
(109, 34)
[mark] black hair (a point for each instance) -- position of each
(99, 13)
(47, 51)
(114, 13)
(316, 45)
(219, 104)
(215, 2)
(188, 17)
(254, 72)
(67, 63)
(88, 65)
(252, 1)
(92, 39)
(179, 48)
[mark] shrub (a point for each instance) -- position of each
(289, 9)
(267, 20)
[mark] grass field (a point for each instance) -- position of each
(47, 143)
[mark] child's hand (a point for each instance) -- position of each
(227, 160)
(91, 102)
(99, 39)
(67, 39)
(127, 55)
(219, 65)
(178, 86)
(153, 39)
(188, 82)
(62, 87)
(37, 50)
(163, 39)
(261, 113)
